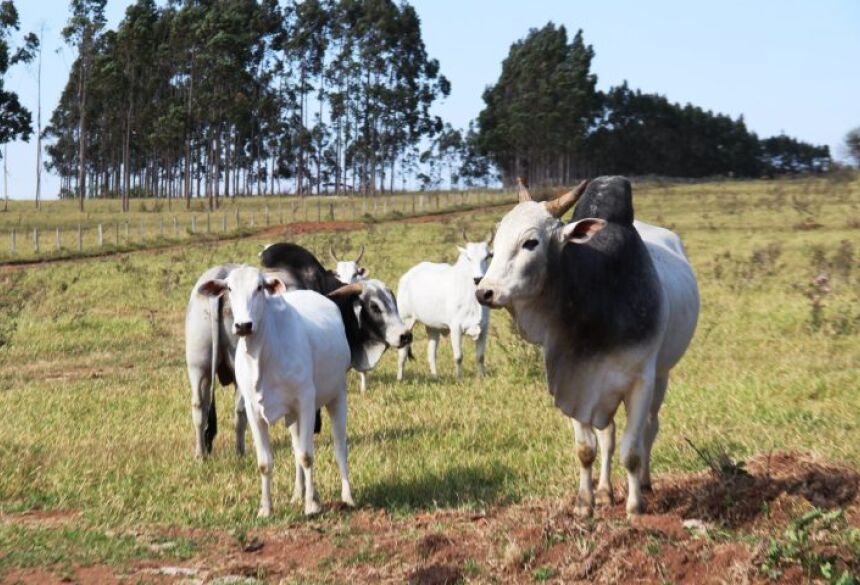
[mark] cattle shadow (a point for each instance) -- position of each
(737, 500)
(459, 485)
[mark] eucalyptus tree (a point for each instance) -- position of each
(81, 31)
(15, 119)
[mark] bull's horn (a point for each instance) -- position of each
(331, 253)
(465, 237)
(523, 191)
(360, 254)
(490, 233)
(559, 206)
(356, 288)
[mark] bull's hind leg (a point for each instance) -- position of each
(480, 350)
(606, 439)
(586, 451)
(240, 422)
(362, 379)
(652, 426)
(337, 414)
(432, 345)
(638, 402)
(299, 485)
(201, 391)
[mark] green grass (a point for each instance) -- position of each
(95, 403)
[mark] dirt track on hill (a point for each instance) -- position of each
(279, 231)
(700, 529)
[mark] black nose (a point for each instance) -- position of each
(243, 328)
(406, 338)
(477, 280)
(484, 295)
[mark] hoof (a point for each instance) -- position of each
(348, 501)
(297, 498)
(264, 512)
(604, 497)
(312, 508)
(583, 508)
(635, 509)
(646, 488)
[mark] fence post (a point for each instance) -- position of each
(116, 233)
(267, 216)
(208, 222)
(101, 236)
(58, 239)
(142, 230)
(282, 214)
(175, 227)
(36, 240)
(193, 224)
(224, 222)
(319, 209)
(161, 227)
(126, 232)
(80, 239)
(13, 241)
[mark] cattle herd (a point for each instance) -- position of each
(613, 303)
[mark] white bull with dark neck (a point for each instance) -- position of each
(291, 359)
(613, 303)
(442, 297)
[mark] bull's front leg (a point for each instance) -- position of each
(480, 351)
(240, 423)
(586, 452)
(432, 345)
(606, 440)
(265, 459)
(307, 412)
(457, 349)
(633, 441)
(299, 485)
(200, 403)
(337, 412)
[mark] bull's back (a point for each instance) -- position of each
(680, 291)
(321, 322)
(421, 294)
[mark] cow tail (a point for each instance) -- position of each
(214, 324)
(409, 353)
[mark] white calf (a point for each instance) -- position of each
(291, 359)
(442, 297)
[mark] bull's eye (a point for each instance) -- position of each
(375, 308)
(530, 244)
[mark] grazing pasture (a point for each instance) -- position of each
(468, 479)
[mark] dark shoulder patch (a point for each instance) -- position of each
(608, 198)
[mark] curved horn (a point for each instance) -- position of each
(523, 191)
(360, 255)
(331, 252)
(356, 288)
(490, 233)
(465, 237)
(559, 206)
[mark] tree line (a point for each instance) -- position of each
(544, 118)
(215, 98)
(221, 97)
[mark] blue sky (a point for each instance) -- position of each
(787, 66)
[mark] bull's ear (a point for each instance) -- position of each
(363, 272)
(461, 250)
(275, 286)
(213, 288)
(579, 232)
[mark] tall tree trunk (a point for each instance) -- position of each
(82, 127)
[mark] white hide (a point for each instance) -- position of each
(591, 390)
(442, 297)
(292, 363)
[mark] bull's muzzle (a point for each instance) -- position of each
(484, 296)
(243, 329)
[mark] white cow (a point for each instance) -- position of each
(613, 303)
(442, 297)
(291, 359)
(349, 271)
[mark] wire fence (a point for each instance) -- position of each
(61, 236)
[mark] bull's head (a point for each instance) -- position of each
(349, 271)
(522, 243)
(376, 310)
(248, 288)
(477, 255)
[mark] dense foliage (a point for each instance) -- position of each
(545, 118)
(229, 96)
(15, 119)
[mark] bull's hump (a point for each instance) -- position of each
(609, 198)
